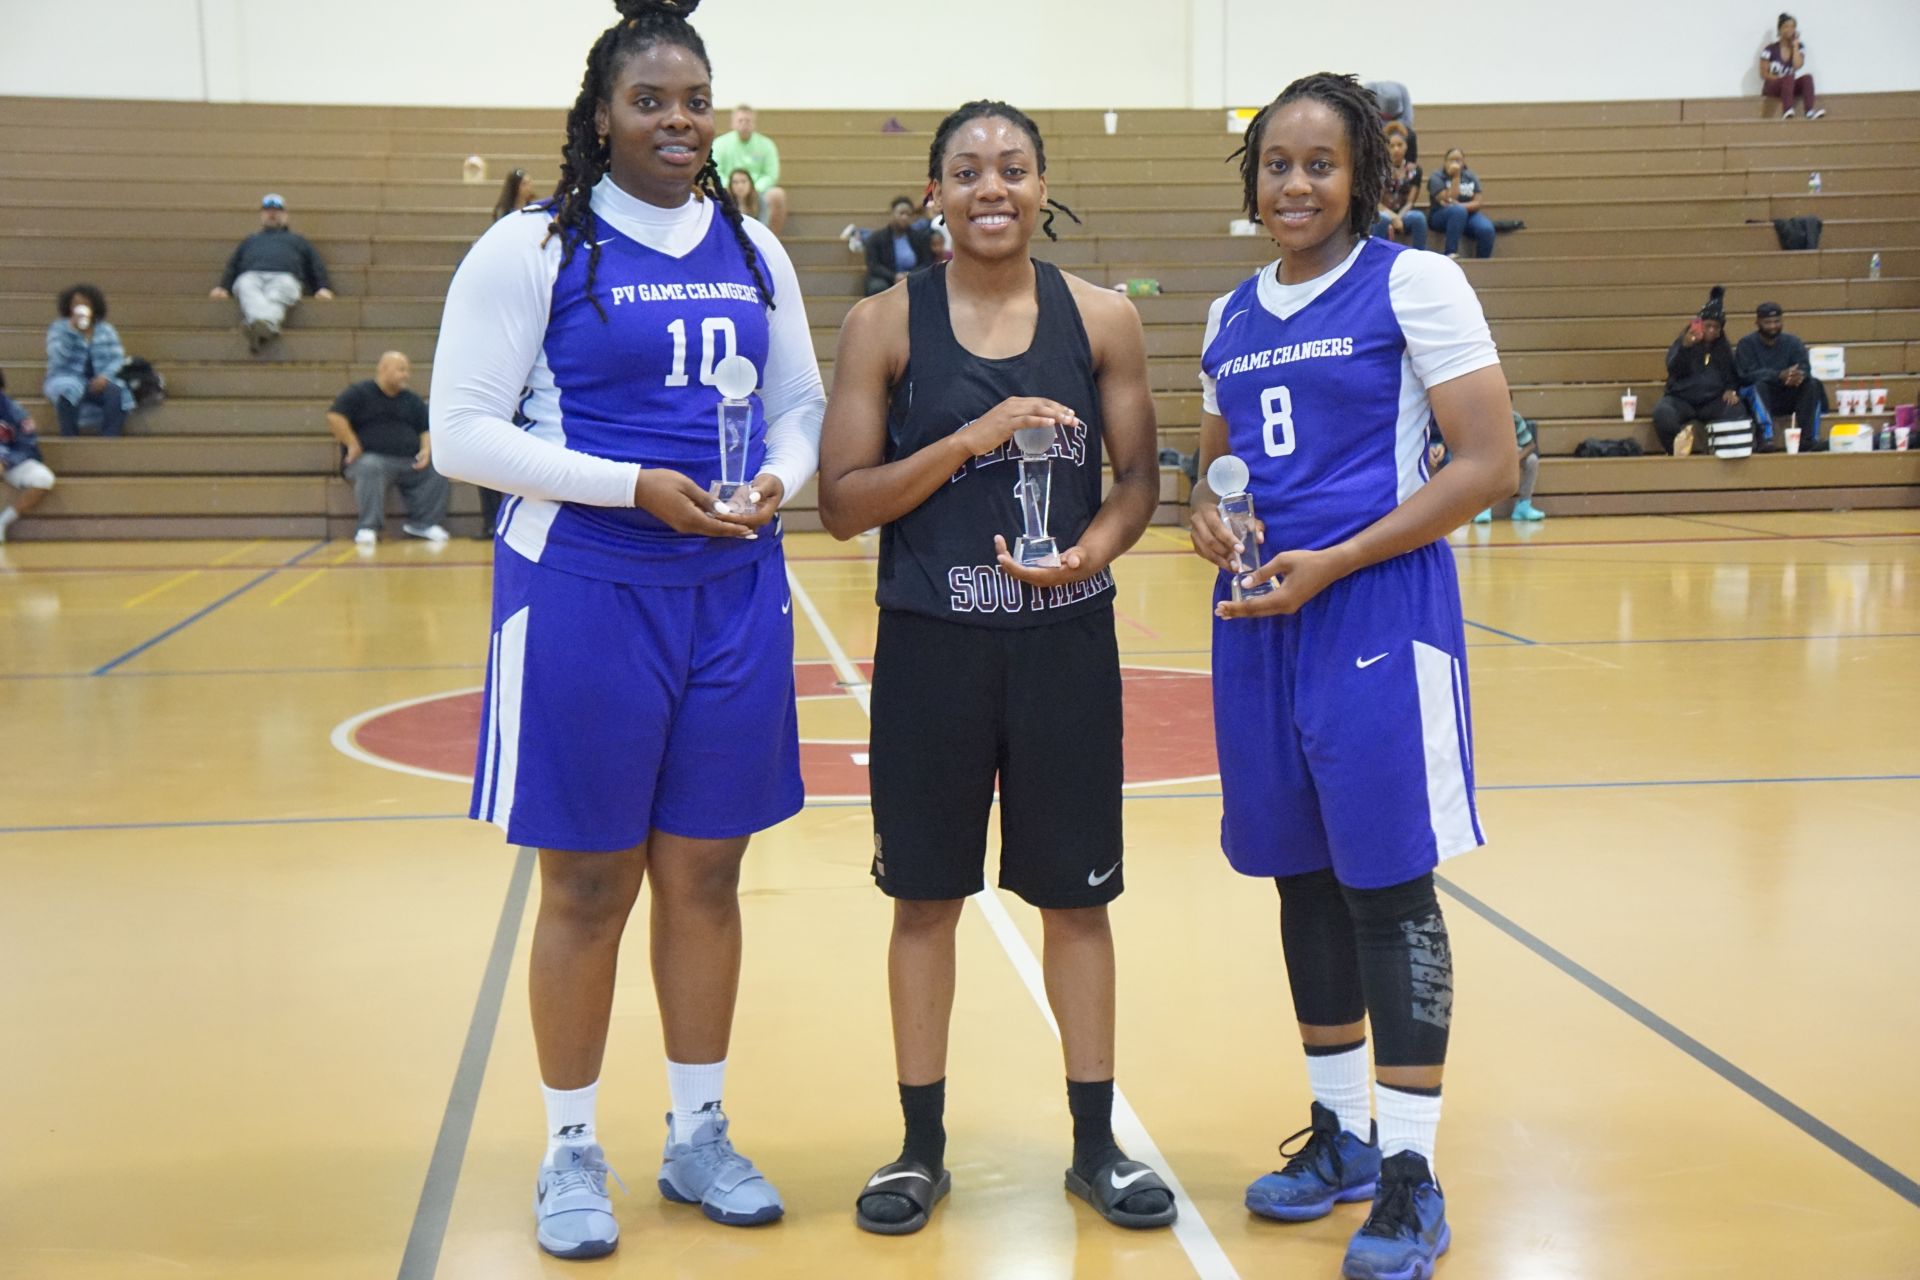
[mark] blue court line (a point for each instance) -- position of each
(229, 822)
(1794, 1114)
(1498, 632)
(194, 617)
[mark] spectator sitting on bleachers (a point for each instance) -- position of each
(742, 148)
(516, 193)
(1703, 384)
(382, 430)
(1524, 435)
(1457, 194)
(267, 272)
(1783, 70)
(898, 249)
(745, 197)
(1396, 107)
(1397, 211)
(1775, 365)
(21, 466)
(84, 356)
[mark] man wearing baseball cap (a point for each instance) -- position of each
(1775, 364)
(268, 272)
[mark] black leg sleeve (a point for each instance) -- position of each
(1406, 964)
(1323, 960)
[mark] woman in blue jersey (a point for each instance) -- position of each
(640, 638)
(987, 674)
(1340, 697)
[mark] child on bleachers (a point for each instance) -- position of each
(20, 463)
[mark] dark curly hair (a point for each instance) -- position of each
(91, 293)
(584, 160)
(981, 109)
(1359, 111)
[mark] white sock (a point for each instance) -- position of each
(1339, 1082)
(695, 1087)
(569, 1117)
(7, 516)
(1407, 1122)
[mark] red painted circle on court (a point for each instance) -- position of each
(1169, 731)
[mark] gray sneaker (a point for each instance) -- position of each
(710, 1173)
(571, 1210)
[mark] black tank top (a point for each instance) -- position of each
(938, 559)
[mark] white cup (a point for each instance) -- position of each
(1112, 121)
(1628, 403)
(1879, 399)
(1901, 435)
(1793, 439)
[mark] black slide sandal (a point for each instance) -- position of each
(1132, 1177)
(910, 1180)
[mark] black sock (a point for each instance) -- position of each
(1091, 1104)
(925, 1108)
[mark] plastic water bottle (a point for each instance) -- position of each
(1813, 183)
(1873, 267)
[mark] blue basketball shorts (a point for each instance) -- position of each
(614, 710)
(1344, 732)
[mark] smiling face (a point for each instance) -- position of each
(1304, 191)
(659, 123)
(990, 188)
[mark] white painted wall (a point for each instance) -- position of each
(1038, 53)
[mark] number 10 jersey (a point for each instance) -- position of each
(1323, 385)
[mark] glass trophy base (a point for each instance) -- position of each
(1251, 593)
(731, 499)
(1036, 553)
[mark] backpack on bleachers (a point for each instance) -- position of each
(148, 387)
(1597, 447)
(1802, 232)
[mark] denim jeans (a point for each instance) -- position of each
(1453, 219)
(113, 418)
(1415, 223)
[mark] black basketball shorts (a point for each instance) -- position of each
(958, 708)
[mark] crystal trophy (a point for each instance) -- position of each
(1035, 548)
(1228, 477)
(736, 378)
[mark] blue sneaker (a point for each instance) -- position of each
(1331, 1167)
(708, 1172)
(1407, 1230)
(1526, 511)
(1485, 517)
(572, 1214)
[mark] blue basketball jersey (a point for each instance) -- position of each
(1325, 405)
(637, 386)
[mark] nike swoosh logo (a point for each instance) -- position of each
(876, 1179)
(1120, 1183)
(1364, 663)
(1097, 880)
(788, 606)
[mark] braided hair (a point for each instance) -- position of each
(587, 154)
(1359, 111)
(981, 109)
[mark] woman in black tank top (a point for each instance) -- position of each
(990, 677)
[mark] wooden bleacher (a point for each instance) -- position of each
(1632, 211)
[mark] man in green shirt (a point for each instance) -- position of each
(754, 152)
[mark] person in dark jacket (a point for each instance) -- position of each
(22, 468)
(1775, 365)
(268, 272)
(898, 249)
(1702, 382)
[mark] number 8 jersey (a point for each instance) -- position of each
(1323, 385)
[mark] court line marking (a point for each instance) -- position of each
(1531, 544)
(190, 574)
(1481, 626)
(1794, 1114)
(344, 742)
(106, 667)
(429, 1230)
(1190, 1229)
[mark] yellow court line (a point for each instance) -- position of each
(1178, 540)
(311, 578)
(177, 579)
(237, 552)
(168, 585)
